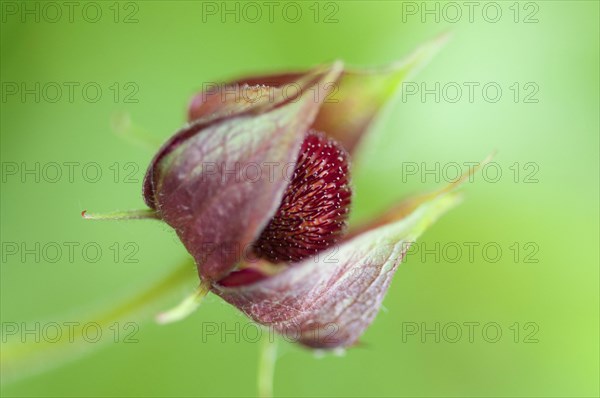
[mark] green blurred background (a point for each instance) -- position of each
(176, 46)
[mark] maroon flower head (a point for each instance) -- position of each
(276, 244)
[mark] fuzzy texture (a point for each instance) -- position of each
(314, 211)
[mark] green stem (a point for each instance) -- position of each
(266, 366)
(124, 127)
(21, 359)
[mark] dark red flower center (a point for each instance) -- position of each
(314, 211)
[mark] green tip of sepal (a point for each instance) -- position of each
(185, 308)
(122, 215)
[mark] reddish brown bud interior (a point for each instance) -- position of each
(241, 277)
(313, 213)
(314, 210)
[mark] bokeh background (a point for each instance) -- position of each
(547, 290)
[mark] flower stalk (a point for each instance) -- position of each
(266, 366)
